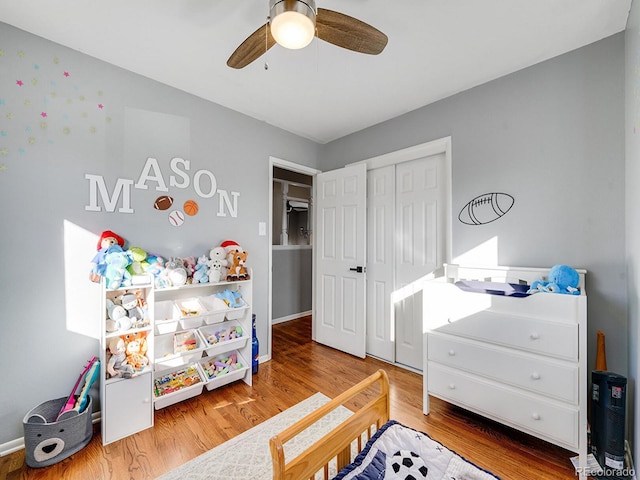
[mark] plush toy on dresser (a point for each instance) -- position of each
(562, 279)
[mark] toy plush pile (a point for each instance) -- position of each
(562, 279)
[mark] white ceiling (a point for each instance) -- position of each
(436, 48)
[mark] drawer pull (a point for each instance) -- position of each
(535, 376)
(534, 336)
(452, 386)
(535, 416)
(452, 353)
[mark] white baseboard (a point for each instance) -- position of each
(18, 444)
(295, 316)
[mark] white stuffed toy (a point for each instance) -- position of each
(217, 262)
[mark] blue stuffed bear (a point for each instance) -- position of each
(562, 279)
(117, 261)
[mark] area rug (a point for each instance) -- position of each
(247, 456)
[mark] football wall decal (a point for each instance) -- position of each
(163, 202)
(486, 208)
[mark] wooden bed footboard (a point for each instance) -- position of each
(337, 443)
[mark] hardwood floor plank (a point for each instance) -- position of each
(298, 369)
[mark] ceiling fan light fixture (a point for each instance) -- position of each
(293, 22)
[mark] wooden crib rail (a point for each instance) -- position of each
(337, 443)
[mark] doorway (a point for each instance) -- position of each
(290, 283)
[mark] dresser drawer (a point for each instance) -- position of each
(541, 375)
(527, 412)
(534, 335)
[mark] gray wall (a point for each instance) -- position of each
(47, 333)
(552, 136)
(291, 282)
(632, 155)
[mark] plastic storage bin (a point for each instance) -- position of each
(166, 356)
(213, 337)
(216, 380)
(176, 386)
(166, 317)
(48, 442)
(191, 312)
(216, 309)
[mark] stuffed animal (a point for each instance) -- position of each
(201, 273)
(237, 270)
(562, 279)
(217, 263)
(117, 317)
(117, 365)
(190, 266)
(231, 298)
(133, 351)
(129, 302)
(175, 272)
(98, 264)
(117, 261)
(230, 247)
(139, 264)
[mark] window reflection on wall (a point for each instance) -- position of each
(292, 206)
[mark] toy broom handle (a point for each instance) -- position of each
(69, 404)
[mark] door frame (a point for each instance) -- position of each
(294, 167)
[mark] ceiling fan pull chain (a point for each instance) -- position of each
(266, 44)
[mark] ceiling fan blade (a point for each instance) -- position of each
(350, 33)
(252, 48)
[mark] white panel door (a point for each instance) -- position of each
(380, 261)
(420, 245)
(340, 253)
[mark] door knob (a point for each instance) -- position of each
(358, 269)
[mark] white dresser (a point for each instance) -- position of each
(519, 361)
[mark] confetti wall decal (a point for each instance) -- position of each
(41, 101)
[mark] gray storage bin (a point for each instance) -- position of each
(47, 441)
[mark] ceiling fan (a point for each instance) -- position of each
(294, 23)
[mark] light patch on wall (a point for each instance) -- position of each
(484, 254)
(82, 296)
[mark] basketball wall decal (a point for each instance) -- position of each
(486, 208)
(163, 202)
(190, 207)
(176, 218)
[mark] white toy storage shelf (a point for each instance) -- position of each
(195, 340)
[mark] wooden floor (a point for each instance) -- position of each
(299, 368)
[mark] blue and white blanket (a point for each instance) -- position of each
(400, 452)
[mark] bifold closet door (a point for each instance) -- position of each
(419, 246)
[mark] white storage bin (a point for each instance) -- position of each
(216, 309)
(166, 317)
(174, 386)
(209, 334)
(191, 312)
(212, 382)
(237, 312)
(167, 358)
